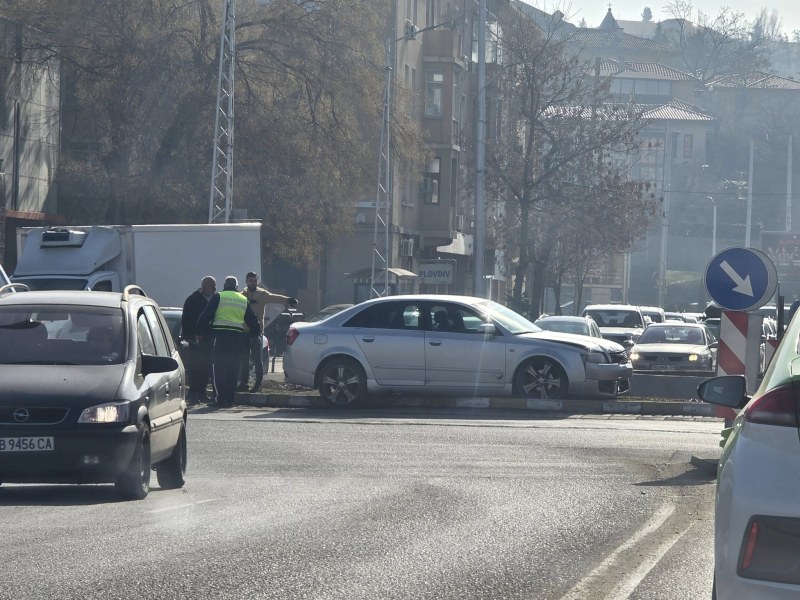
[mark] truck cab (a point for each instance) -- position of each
(70, 259)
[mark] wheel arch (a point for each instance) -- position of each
(559, 363)
(336, 356)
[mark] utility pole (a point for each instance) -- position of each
(789, 186)
(662, 266)
(219, 204)
(480, 160)
(749, 219)
(381, 236)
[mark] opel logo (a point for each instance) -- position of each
(21, 415)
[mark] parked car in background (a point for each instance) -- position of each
(326, 312)
(676, 316)
(447, 344)
(714, 325)
(569, 324)
(91, 391)
(672, 346)
(173, 316)
(757, 514)
(621, 323)
(655, 313)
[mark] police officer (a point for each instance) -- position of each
(229, 319)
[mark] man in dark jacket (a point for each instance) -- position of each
(228, 319)
(198, 369)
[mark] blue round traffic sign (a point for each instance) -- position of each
(741, 278)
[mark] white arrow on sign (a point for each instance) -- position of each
(743, 286)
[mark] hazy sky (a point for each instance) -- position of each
(631, 10)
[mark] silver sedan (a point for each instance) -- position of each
(453, 345)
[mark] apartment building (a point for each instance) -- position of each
(29, 135)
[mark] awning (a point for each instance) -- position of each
(364, 275)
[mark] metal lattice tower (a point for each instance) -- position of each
(219, 205)
(381, 258)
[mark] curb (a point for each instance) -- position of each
(643, 407)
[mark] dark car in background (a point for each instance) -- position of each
(91, 391)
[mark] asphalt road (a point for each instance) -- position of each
(289, 504)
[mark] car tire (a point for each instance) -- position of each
(541, 378)
(342, 383)
(171, 473)
(134, 483)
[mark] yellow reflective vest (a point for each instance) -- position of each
(230, 312)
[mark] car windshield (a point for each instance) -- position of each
(59, 335)
(671, 335)
(67, 283)
(615, 318)
(513, 321)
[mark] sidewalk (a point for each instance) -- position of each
(628, 405)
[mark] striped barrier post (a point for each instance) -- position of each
(738, 351)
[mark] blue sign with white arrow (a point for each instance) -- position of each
(741, 279)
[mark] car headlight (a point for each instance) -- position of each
(116, 412)
(594, 357)
(634, 356)
(693, 358)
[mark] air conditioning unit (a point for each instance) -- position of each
(361, 218)
(410, 30)
(459, 222)
(407, 247)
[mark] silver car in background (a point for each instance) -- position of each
(448, 345)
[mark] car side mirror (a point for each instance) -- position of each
(727, 390)
(158, 364)
(487, 329)
(713, 345)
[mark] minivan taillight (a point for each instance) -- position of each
(776, 407)
(291, 336)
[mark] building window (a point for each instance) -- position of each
(688, 145)
(430, 13)
(429, 189)
(434, 78)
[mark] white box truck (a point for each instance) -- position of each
(166, 261)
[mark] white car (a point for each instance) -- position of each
(449, 345)
(757, 522)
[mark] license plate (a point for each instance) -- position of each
(664, 367)
(26, 444)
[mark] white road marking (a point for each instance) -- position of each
(198, 503)
(581, 590)
(625, 588)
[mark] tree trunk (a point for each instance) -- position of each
(557, 294)
(524, 254)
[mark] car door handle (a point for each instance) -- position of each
(368, 339)
(435, 342)
(166, 389)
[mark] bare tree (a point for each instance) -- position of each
(140, 83)
(558, 124)
(720, 45)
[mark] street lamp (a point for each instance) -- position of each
(714, 228)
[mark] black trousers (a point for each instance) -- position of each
(226, 357)
(252, 353)
(198, 369)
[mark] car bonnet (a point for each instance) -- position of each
(67, 385)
